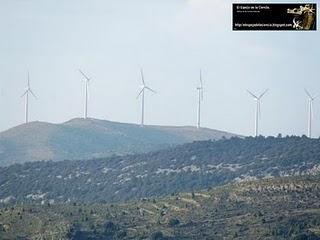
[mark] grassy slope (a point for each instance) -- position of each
(90, 138)
(283, 208)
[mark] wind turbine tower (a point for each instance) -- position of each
(257, 111)
(86, 87)
(142, 93)
(310, 112)
(200, 98)
(26, 96)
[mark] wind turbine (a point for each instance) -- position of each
(142, 92)
(26, 95)
(310, 114)
(258, 110)
(200, 98)
(86, 86)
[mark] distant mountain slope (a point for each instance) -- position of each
(91, 138)
(188, 167)
(282, 208)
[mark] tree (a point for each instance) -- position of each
(174, 222)
(157, 236)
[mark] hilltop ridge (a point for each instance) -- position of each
(92, 138)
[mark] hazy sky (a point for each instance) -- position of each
(171, 40)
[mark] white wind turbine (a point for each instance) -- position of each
(26, 95)
(310, 113)
(258, 111)
(86, 86)
(142, 92)
(200, 98)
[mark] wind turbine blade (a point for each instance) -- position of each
(85, 76)
(32, 93)
(28, 80)
(24, 93)
(312, 116)
(140, 93)
(142, 77)
(252, 94)
(150, 89)
(263, 93)
(259, 108)
(306, 91)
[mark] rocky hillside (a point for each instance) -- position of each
(281, 208)
(183, 168)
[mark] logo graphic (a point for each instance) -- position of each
(304, 17)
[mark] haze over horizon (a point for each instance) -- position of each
(171, 40)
